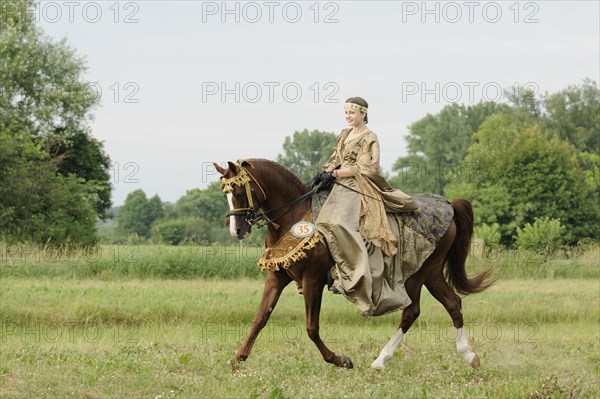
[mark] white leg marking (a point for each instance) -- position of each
(232, 226)
(388, 350)
(462, 346)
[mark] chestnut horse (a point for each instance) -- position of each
(257, 184)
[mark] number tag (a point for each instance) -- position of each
(303, 229)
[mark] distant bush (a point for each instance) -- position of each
(169, 231)
(189, 230)
(544, 235)
(490, 234)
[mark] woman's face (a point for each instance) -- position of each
(354, 117)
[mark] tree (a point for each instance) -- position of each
(573, 114)
(518, 174)
(436, 146)
(83, 156)
(43, 97)
(41, 80)
(207, 204)
(37, 204)
(305, 152)
(137, 215)
(196, 218)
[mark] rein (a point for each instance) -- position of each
(295, 202)
(253, 216)
(356, 191)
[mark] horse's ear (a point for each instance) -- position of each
(234, 169)
(219, 168)
(245, 163)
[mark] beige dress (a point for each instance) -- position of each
(356, 229)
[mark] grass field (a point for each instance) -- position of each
(160, 338)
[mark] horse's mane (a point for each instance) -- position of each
(287, 176)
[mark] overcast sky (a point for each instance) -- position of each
(186, 83)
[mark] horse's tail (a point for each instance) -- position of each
(455, 271)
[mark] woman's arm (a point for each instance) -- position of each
(367, 162)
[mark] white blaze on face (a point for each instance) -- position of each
(232, 226)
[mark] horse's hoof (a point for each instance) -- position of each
(347, 363)
(475, 363)
(234, 364)
(377, 365)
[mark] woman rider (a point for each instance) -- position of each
(353, 223)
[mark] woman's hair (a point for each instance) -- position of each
(359, 101)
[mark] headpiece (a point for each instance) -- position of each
(359, 107)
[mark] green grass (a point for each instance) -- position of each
(109, 262)
(116, 262)
(151, 338)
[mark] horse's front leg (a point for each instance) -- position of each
(275, 283)
(313, 294)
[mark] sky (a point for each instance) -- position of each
(183, 84)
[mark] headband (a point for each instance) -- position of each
(356, 106)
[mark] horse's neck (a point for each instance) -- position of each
(279, 197)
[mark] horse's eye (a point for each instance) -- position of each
(239, 195)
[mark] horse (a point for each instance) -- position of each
(257, 184)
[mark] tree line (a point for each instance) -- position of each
(529, 166)
(526, 166)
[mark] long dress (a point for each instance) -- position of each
(355, 227)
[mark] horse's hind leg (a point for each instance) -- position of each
(274, 284)
(409, 315)
(440, 289)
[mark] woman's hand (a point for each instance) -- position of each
(344, 172)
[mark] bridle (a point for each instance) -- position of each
(253, 216)
(242, 179)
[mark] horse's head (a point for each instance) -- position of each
(240, 189)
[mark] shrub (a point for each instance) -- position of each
(490, 234)
(545, 235)
(169, 231)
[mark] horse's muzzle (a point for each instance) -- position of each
(241, 235)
